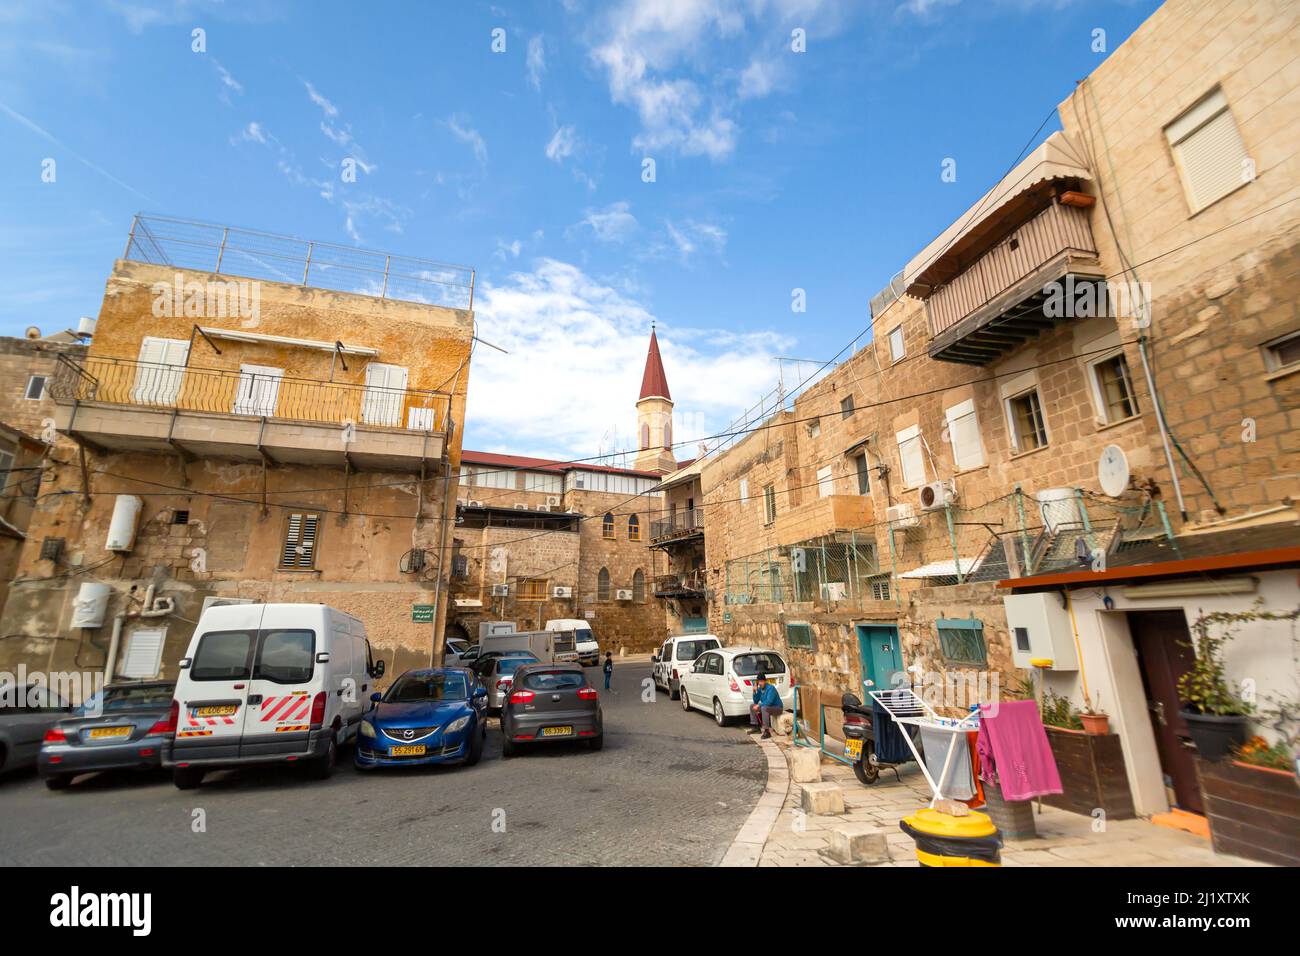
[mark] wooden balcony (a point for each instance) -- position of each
(996, 303)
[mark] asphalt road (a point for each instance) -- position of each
(669, 788)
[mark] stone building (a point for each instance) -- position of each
(260, 418)
(538, 539)
(678, 532)
(1076, 429)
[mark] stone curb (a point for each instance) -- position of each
(747, 847)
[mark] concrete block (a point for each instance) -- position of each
(822, 798)
(805, 765)
(858, 843)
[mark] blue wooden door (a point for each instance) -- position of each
(882, 660)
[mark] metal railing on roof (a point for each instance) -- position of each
(247, 253)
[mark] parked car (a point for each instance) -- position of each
(428, 716)
(124, 726)
(722, 681)
(27, 711)
(498, 671)
(584, 638)
(464, 658)
(544, 645)
(676, 657)
(269, 683)
(548, 703)
(452, 648)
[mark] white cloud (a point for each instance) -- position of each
(561, 145)
(758, 79)
(536, 61)
(508, 250)
(614, 223)
(693, 236)
(226, 79)
(469, 135)
(556, 317)
(326, 106)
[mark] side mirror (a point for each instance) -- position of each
(480, 692)
(379, 669)
(654, 658)
(376, 697)
(184, 663)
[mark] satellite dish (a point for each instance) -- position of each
(1112, 471)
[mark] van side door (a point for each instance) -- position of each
(213, 695)
(282, 692)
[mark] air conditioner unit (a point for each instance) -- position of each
(937, 495)
(521, 507)
(475, 504)
(500, 590)
(553, 501)
(901, 516)
(543, 507)
(560, 592)
(622, 595)
(835, 590)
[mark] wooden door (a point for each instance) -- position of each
(1161, 637)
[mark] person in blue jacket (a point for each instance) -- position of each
(767, 705)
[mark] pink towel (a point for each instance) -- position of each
(1014, 752)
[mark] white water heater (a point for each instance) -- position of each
(91, 604)
(126, 518)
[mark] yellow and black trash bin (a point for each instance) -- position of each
(943, 839)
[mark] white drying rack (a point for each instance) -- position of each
(907, 707)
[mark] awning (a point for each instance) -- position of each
(942, 569)
(238, 335)
(1056, 158)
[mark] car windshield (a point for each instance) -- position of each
(417, 687)
(584, 636)
(286, 656)
(222, 655)
(554, 680)
(747, 665)
(689, 650)
(509, 665)
(128, 698)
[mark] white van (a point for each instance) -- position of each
(548, 646)
(584, 638)
(676, 657)
(269, 683)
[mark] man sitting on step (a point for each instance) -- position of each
(766, 707)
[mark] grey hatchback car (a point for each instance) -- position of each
(124, 726)
(549, 703)
(27, 711)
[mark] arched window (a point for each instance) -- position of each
(607, 526)
(602, 585)
(645, 435)
(633, 528)
(668, 434)
(638, 585)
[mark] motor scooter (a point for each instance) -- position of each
(860, 741)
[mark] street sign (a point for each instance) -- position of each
(422, 613)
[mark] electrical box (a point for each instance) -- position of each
(1040, 629)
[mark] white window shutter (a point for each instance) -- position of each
(1211, 153)
(964, 436)
(143, 653)
(911, 457)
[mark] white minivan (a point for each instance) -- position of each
(269, 683)
(722, 681)
(675, 658)
(584, 638)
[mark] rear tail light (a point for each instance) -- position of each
(853, 719)
(318, 710)
(55, 735)
(503, 684)
(675, 673)
(587, 693)
(522, 697)
(167, 726)
(735, 688)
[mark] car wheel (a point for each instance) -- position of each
(58, 781)
(508, 748)
(719, 715)
(476, 746)
(674, 694)
(323, 766)
(596, 742)
(686, 699)
(187, 778)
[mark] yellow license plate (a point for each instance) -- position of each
(853, 749)
(413, 750)
(101, 733)
(557, 731)
(220, 710)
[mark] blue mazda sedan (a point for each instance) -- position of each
(427, 716)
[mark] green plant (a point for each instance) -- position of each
(1204, 688)
(1091, 709)
(1057, 711)
(1260, 753)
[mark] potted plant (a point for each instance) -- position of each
(1057, 711)
(1095, 720)
(1217, 716)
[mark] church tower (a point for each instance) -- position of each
(654, 413)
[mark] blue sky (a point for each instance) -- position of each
(775, 170)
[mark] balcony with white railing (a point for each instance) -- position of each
(112, 404)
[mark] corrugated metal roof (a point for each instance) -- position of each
(545, 464)
(941, 569)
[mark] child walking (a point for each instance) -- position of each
(609, 667)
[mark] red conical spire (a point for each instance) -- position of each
(654, 383)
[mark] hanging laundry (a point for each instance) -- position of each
(890, 745)
(959, 782)
(972, 745)
(1014, 752)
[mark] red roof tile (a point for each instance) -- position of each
(654, 383)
